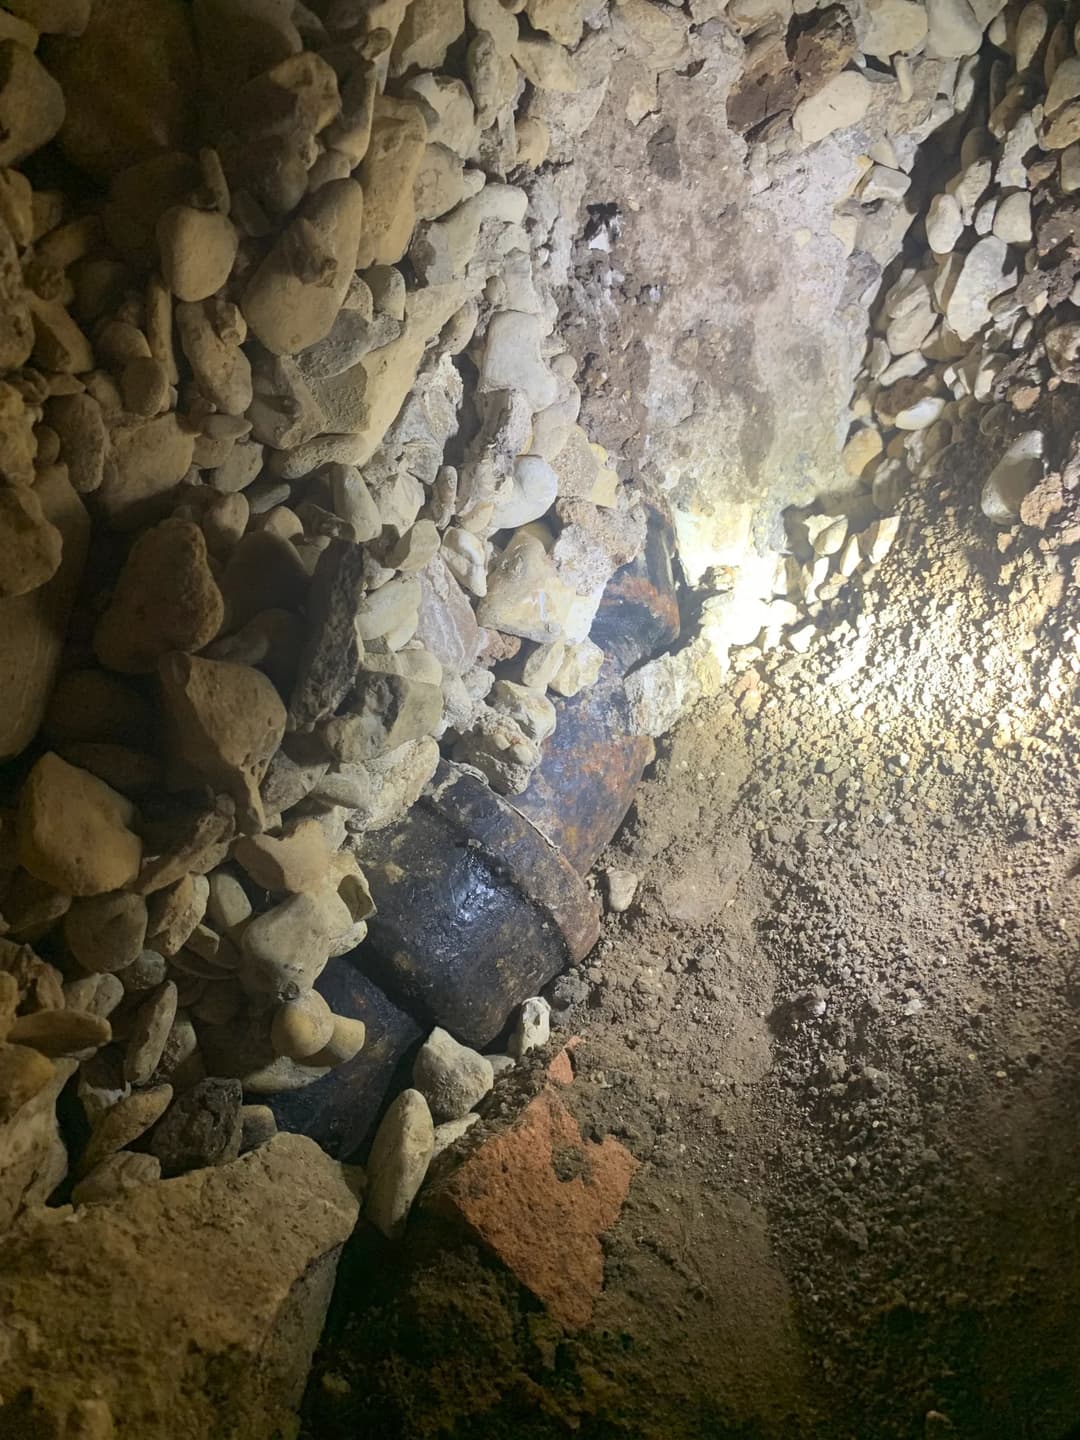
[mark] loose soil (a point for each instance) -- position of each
(839, 1027)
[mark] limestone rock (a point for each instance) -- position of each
(400, 1155)
(31, 103)
(427, 31)
(260, 1239)
(286, 948)
(211, 334)
(149, 459)
(301, 1028)
(982, 278)
(895, 27)
(388, 173)
(446, 622)
(123, 1123)
(294, 297)
(512, 359)
(621, 887)
(117, 1176)
(59, 344)
(842, 101)
(1016, 473)
(84, 441)
(225, 721)
(296, 862)
(150, 1030)
(953, 29)
(944, 224)
(31, 544)
(165, 600)
(73, 830)
(451, 1077)
(198, 250)
(106, 933)
(24, 1072)
(383, 712)
(175, 912)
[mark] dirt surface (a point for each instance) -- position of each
(839, 1027)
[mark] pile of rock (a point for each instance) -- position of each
(289, 463)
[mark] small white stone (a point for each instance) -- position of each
(923, 413)
(953, 30)
(841, 101)
(400, 1155)
(1012, 219)
(621, 887)
(533, 1028)
(944, 223)
(1070, 169)
(1020, 468)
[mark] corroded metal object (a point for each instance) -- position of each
(476, 909)
(482, 899)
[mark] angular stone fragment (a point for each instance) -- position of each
(203, 1127)
(153, 1021)
(296, 862)
(84, 441)
(294, 297)
(73, 830)
(31, 103)
(33, 1158)
(126, 1121)
(388, 172)
(59, 344)
(116, 1177)
(166, 599)
(451, 1077)
(260, 1240)
(225, 721)
(211, 335)
(954, 29)
(427, 31)
(149, 459)
(842, 101)
(400, 1156)
(982, 278)
(286, 948)
(24, 1072)
(512, 359)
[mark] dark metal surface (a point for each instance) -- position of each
(476, 910)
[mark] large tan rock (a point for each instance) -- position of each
(166, 599)
(216, 1345)
(130, 82)
(225, 722)
(30, 543)
(31, 103)
(73, 830)
(149, 459)
(294, 297)
(398, 142)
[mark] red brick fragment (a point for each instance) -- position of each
(540, 1196)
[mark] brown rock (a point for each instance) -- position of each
(202, 1128)
(198, 249)
(160, 1344)
(166, 599)
(383, 712)
(513, 1195)
(138, 197)
(73, 830)
(20, 450)
(130, 82)
(144, 384)
(30, 543)
(53, 17)
(16, 324)
(388, 173)
(297, 862)
(294, 297)
(149, 459)
(106, 932)
(32, 908)
(31, 103)
(329, 660)
(132, 772)
(264, 572)
(226, 721)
